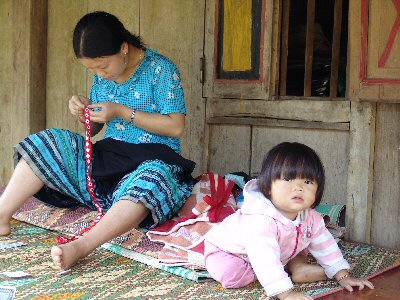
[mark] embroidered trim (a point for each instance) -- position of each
(88, 159)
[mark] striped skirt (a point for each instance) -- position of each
(56, 156)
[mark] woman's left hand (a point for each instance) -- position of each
(104, 111)
(349, 282)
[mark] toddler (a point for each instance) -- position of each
(267, 238)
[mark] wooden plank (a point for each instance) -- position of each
(278, 123)
(332, 147)
(359, 184)
(38, 55)
(275, 51)
(6, 83)
(354, 50)
(180, 25)
(309, 47)
(229, 149)
(337, 28)
(324, 111)
(311, 98)
(386, 199)
(369, 92)
(209, 46)
(284, 46)
(65, 74)
(390, 93)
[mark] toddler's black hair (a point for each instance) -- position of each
(291, 160)
(100, 34)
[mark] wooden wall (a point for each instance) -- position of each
(22, 75)
(5, 95)
(241, 147)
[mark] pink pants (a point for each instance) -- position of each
(228, 269)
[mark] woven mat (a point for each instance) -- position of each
(136, 280)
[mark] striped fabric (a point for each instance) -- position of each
(57, 157)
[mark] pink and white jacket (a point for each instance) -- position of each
(260, 234)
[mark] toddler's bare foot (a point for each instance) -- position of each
(307, 273)
(66, 255)
(5, 228)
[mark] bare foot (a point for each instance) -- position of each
(307, 273)
(5, 229)
(66, 255)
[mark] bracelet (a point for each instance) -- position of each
(132, 117)
(343, 277)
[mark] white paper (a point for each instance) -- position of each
(12, 245)
(16, 274)
(7, 292)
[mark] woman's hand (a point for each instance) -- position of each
(76, 106)
(171, 125)
(104, 111)
(293, 295)
(349, 282)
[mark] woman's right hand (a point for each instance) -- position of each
(76, 106)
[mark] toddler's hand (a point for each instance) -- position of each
(349, 282)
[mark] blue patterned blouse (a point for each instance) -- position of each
(155, 87)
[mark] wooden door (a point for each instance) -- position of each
(237, 49)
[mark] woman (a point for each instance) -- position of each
(139, 176)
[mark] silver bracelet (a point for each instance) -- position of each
(132, 117)
(343, 277)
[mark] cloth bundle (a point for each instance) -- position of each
(211, 201)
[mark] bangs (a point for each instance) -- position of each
(291, 161)
(296, 167)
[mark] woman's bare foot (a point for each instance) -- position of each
(66, 255)
(5, 228)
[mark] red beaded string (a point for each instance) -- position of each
(88, 158)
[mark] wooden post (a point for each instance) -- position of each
(337, 28)
(284, 47)
(362, 138)
(360, 177)
(309, 47)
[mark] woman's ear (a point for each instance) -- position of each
(124, 47)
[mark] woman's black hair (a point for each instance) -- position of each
(100, 34)
(291, 160)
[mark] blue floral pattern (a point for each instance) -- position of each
(155, 87)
